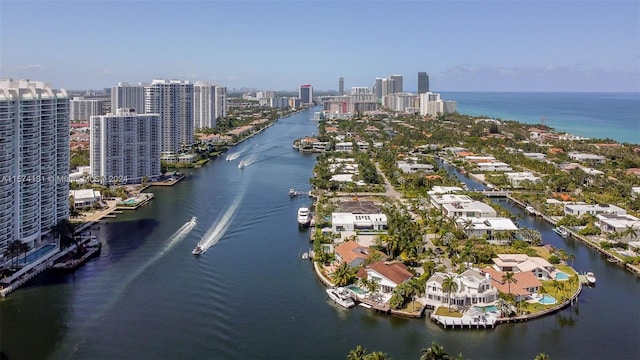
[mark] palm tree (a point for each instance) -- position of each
(343, 274)
(630, 232)
(434, 352)
(377, 355)
(23, 248)
(542, 356)
(571, 257)
(14, 249)
(449, 285)
(358, 353)
(509, 279)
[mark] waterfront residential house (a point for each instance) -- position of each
(587, 158)
(517, 179)
(576, 209)
(440, 199)
(344, 146)
(353, 222)
(444, 190)
(609, 223)
(352, 253)
(526, 283)
(410, 168)
(493, 166)
(474, 287)
(488, 228)
(473, 209)
(515, 263)
(85, 198)
(388, 274)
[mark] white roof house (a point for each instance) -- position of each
(344, 146)
(592, 158)
(619, 223)
(517, 178)
(352, 222)
(489, 227)
(535, 156)
(409, 168)
(472, 209)
(493, 166)
(449, 189)
(593, 209)
(85, 197)
(438, 200)
(473, 288)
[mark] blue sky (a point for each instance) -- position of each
(463, 45)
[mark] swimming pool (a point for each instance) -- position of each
(561, 276)
(356, 289)
(490, 308)
(36, 254)
(547, 300)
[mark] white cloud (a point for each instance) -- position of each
(29, 67)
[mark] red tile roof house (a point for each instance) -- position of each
(388, 274)
(526, 283)
(352, 253)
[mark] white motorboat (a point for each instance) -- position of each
(292, 192)
(194, 220)
(591, 278)
(531, 210)
(341, 297)
(241, 165)
(197, 250)
(303, 216)
(562, 231)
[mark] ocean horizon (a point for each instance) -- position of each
(598, 115)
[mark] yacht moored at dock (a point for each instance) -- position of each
(591, 278)
(341, 297)
(303, 216)
(562, 231)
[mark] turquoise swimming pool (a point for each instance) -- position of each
(356, 289)
(562, 276)
(547, 300)
(490, 308)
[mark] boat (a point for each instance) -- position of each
(591, 278)
(611, 259)
(194, 220)
(341, 297)
(531, 210)
(241, 165)
(562, 231)
(303, 216)
(292, 192)
(197, 250)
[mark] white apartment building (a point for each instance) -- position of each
(204, 105)
(430, 104)
(34, 160)
(125, 147)
(173, 101)
(126, 96)
(82, 109)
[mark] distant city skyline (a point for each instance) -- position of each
(462, 45)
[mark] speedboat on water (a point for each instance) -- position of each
(292, 192)
(197, 250)
(241, 165)
(303, 216)
(194, 220)
(341, 297)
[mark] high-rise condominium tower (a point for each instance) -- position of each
(125, 96)
(34, 160)
(423, 83)
(221, 101)
(173, 101)
(341, 86)
(204, 105)
(125, 147)
(397, 84)
(305, 94)
(81, 109)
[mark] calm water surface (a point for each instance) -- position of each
(250, 296)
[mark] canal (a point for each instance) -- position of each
(250, 295)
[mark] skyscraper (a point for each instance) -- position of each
(81, 109)
(341, 86)
(125, 147)
(34, 160)
(125, 96)
(397, 84)
(221, 101)
(377, 88)
(173, 101)
(306, 94)
(204, 105)
(423, 83)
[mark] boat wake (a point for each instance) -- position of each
(235, 155)
(248, 161)
(219, 227)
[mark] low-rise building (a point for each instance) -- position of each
(388, 275)
(493, 166)
(410, 168)
(85, 198)
(488, 228)
(352, 253)
(515, 263)
(444, 190)
(588, 158)
(473, 287)
(609, 223)
(517, 179)
(525, 284)
(576, 209)
(344, 146)
(352, 222)
(473, 209)
(440, 199)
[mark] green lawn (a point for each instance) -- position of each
(444, 311)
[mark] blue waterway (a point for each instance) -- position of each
(595, 115)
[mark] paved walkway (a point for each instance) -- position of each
(390, 190)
